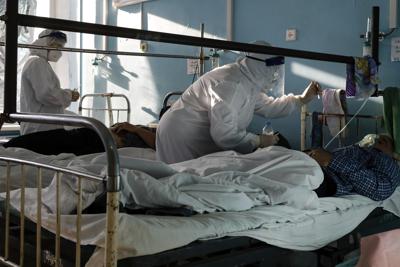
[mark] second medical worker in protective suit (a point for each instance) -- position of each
(213, 113)
(40, 86)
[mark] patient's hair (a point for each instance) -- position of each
(282, 141)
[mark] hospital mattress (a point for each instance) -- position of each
(279, 226)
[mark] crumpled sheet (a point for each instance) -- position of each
(270, 176)
(61, 160)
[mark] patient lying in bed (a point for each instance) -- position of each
(370, 171)
(82, 141)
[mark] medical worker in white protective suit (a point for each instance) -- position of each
(214, 112)
(40, 86)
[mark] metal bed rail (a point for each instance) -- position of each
(105, 52)
(324, 116)
(39, 168)
(112, 181)
(109, 108)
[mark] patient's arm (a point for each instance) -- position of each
(376, 179)
(147, 136)
(321, 156)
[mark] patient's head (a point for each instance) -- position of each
(385, 144)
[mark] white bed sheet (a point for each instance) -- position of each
(279, 225)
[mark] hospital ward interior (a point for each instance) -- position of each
(213, 133)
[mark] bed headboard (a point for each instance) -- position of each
(374, 121)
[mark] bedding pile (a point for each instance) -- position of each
(224, 181)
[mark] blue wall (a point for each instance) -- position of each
(330, 26)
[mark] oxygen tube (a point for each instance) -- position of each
(345, 126)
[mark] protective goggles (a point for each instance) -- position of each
(273, 61)
(57, 35)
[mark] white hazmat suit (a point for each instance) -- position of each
(215, 111)
(40, 86)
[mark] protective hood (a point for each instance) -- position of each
(39, 52)
(268, 79)
(48, 38)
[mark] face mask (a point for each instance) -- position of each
(276, 85)
(54, 55)
(369, 140)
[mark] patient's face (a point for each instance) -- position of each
(385, 144)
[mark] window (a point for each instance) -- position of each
(121, 3)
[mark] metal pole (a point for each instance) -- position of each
(104, 52)
(10, 73)
(91, 28)
(375, 34)
(202, 69)
(303, 128)
(375, 39)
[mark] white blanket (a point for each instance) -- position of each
(61, 160)
(270, 176)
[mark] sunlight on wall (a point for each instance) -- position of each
(132, 75)
(329, 80)
(161, 24)
(310, 73)
(88, 42)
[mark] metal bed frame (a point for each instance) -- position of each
(113, 187)
(323, 116)
(187, 256)
(109, 108)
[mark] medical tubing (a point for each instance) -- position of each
(345, 126)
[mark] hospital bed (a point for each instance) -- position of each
(167, 102)
(260, 244)
(7, 220)
(113, 112)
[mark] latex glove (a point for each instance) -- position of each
(312, 90)
(268, 140)
(74, 95)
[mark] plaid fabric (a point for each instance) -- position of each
(365, 171)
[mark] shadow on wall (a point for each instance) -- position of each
(114, 72)
(150, 112)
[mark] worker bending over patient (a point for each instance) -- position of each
(369, 171)
(214, 112)
(40, 86)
